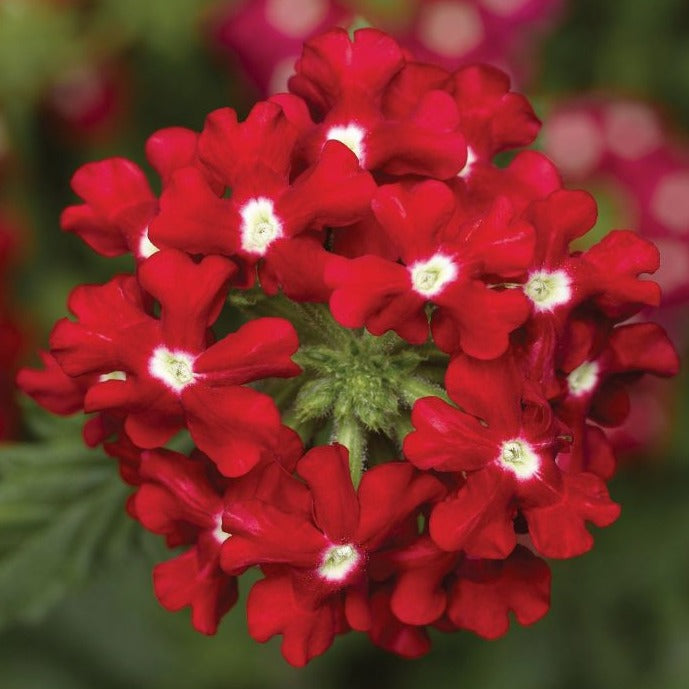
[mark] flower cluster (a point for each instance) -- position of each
(392, 373)
(448, 32)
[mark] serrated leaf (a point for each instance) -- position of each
(61, 516)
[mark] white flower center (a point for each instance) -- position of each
(338, 561)
(219, 533)
(146, 247)
(260, 226)
(583, 378)
(548, 290)
(471, 159)
(519, 457)
(352, 136)
(113, 375)
(430, 277)
(175, 369)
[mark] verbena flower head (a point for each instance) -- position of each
(393, 373)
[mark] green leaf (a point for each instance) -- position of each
(61, 516)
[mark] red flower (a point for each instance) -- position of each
(344, 81)
(491, 117)
(506, 445)
(329, 540)
(119, 202)
(269, 211)
(168, 375)
(599, 364)
(184, 500)
(486, 591)
(446, 258)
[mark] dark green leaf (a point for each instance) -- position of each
(61, 515)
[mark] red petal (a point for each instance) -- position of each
(389, 494)
(232, 150)
(333, 65)
(333, 192)
(262, 533)
(402, 95)
(389, 633)
(336, 508)
(170, 149)
(620, 258)
(560, 219)
(186, 482)
(51, 387)
(210, 593)
(234, 426)
(558, 530)
(296, 266)
(364, 287)
(486, 592)
(106, 238)
(406, 148)
(191, 294)
(192, 218)
(479, 519)
(413, 215)
(643, 347)
(477, 319)
(259, 349)
(271, 610)
(447, 439)
(490, 390)
(419, 597)
(109, 186)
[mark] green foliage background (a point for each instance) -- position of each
(76, 605)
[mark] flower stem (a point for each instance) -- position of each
(414, 388)
(348, 432)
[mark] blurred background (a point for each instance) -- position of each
(82, 80)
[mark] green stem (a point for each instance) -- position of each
(402, 427)
(414, 388)
(348, 432)
(324, 325)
